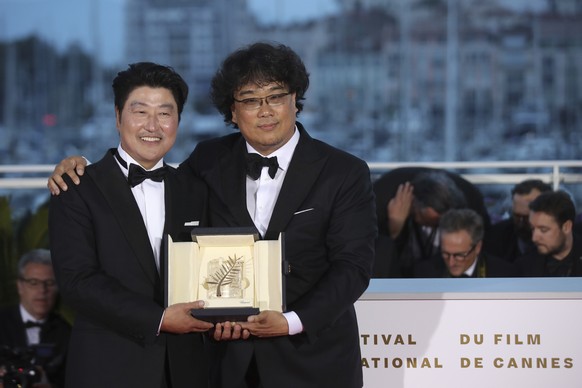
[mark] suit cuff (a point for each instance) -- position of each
(294, 323)
(160, 325)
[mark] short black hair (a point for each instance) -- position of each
(557, 204)
(152, 75)
(526, 187)
(435, 189)
(261, 63)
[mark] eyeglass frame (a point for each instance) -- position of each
(459, 256)
(36, 283)
(260, 100)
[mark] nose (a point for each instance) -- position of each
(535, 236)
(265, 109)
(151, 124)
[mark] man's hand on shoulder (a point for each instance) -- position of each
(73, 166)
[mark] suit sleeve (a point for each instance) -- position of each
(77, 249)
(348, 249)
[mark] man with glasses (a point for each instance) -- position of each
(320, 197)
(33, 325)
(461, 255)
(511, 237)
(272, 175)
(409, 203)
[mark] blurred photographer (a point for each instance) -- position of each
(33, 338)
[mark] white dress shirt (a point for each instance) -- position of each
(32, 333)
(261, 198)
(149, 196)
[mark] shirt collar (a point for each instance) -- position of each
(129, 160)
(471, 269)
(26, 316)
(283, 154)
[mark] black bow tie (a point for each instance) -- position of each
(29, 324)
(137, 174)
(256, 162)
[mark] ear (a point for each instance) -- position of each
(294, 102)
(567, 227)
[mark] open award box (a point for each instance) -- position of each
(230, 269)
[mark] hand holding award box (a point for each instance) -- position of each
(234, 272)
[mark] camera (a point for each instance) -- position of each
(22, 367)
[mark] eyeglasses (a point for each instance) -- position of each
(459, 256)
(256, 102)
(37, 283)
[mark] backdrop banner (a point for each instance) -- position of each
(481, 343)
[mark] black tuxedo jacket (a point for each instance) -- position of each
(55, 331)
(106, 271)
(502, 240)
(326, 209)
(491, 267)
(533, 264)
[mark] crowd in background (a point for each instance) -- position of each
(434, 223)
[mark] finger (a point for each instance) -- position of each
(58, 182)
(236, 332)
(53, 187)
(74, 177)
(217, 332)
(226, 332)
(202, 326)
(195, 305)
(80, 169)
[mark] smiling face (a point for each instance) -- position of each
(148, 124)
(266, 128)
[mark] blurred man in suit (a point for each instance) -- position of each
(33, 325)
(559, 250)
(409, 203)
(511, 238)
(461, 254)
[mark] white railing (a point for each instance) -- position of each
(556, 172)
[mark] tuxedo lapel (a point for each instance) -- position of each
(300, 178)
(114, 187)
(16, 328)
(233, 182)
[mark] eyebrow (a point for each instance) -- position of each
(253, 91)
(134, 104)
